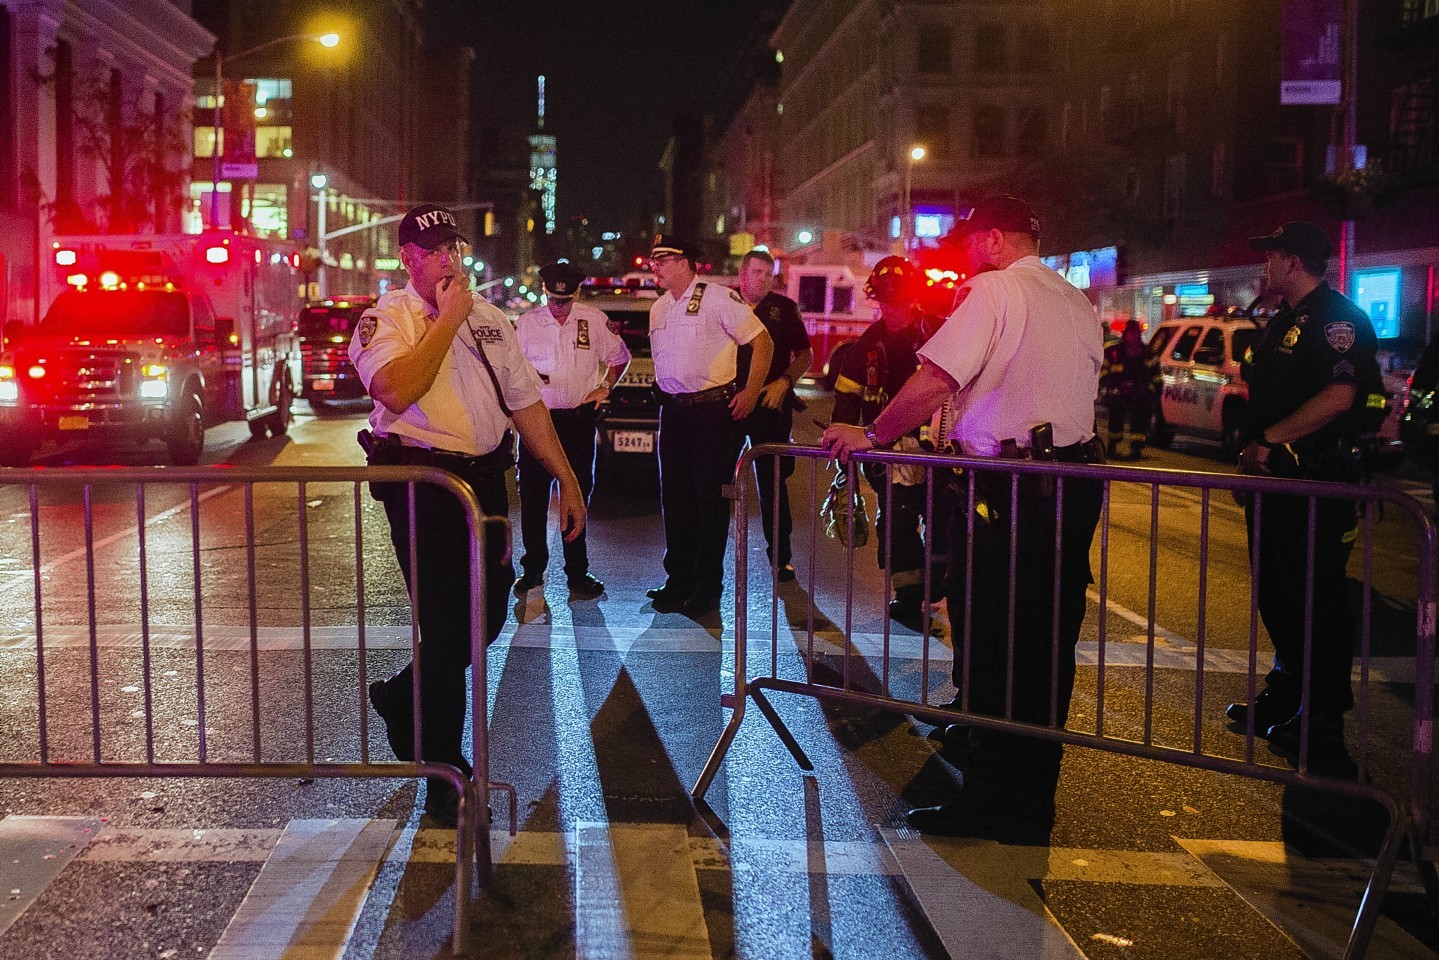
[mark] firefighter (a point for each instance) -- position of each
(1129, 382)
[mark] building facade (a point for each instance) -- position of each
(95, 105)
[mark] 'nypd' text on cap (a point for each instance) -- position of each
(429, 225)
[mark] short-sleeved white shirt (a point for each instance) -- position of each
(695, 342)
(571, 357)
(460, 412)
(1025, 347)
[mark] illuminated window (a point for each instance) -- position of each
(205, 141)
(269, 213)
(270, 142)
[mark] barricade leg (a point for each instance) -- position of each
(721, 748)
(780, 728)
(1374, 891)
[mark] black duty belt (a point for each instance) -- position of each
(581, 414)
(497, 460)
(1086, 451)
(712, 395)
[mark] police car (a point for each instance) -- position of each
(1204, 394)
(631, 422)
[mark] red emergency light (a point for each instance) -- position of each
(65, 257)
(220, 254)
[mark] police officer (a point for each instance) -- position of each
(579, 360)
(1314, 387)
(696, 329)
(871, 372)
(1019, 361)
(448, 378)
(1130, 381)
(773, 414)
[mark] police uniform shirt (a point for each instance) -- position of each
(695, 337)
(571, 357)
(460, 411)
(1322, 340)
(780, 316)
(1025, 347)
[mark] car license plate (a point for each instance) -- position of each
(75, 423)
(323, 385)
(633, 441)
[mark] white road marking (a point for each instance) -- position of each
(309, 893)
(1139, 620)
(33, 851)
(636, 894)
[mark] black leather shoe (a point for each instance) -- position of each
(908, 614)
(786, 573)
(1269, 711)
(528, 582)
(442, 803)
(1326, 733)
(586, 587)
(399, 729)
(701, 605)
(959, 819)
(667, 599)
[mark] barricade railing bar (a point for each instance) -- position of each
(1150, 521)
(75, 738)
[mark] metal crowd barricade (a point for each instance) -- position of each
(1111, 728)
(89, 489)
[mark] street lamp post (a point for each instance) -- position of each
(326, 40)
(319, 181)
(916, 153)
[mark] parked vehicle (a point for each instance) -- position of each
(631, 422)
(1204, 394)
(154, 338)
(324, 329)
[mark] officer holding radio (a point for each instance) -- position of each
(1314, 388)
(448, 378)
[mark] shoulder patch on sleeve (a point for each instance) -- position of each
(1340, 335)
(734, 295)
(366, 330)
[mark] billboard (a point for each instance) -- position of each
(1310, 57)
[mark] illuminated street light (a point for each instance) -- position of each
(805, 236)
(916, 154)
(320, 181)
(325, 40)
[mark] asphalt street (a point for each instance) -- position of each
(602, 715)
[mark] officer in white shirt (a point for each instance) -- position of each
(696, 329)
(1019, 359)
(448, 378)
(579, 360)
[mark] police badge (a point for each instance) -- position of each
(366, 332)
(1340, 335)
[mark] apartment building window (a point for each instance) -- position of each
(1175, 172)
(988, 132)
(115, 118)
(1032, 53)
(932, 130)
(933, 49)
(989, 52)
(1033, 133)
(1133, 107)
(7, 118)
(1283, 165)
(158, 198)
(64, 125)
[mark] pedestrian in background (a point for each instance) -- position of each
(1314, 388)
(696, 329)
(1129, 382)
(773, 415)
(448, 378)
(871, 373)
(579, 360)
(1019, 360)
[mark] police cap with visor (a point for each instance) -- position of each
(669, 245)
(1297, 238)
(1006, 214)
(429, 226)
(561, 280)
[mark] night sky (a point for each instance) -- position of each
(616, 74)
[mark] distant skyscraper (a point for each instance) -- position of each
(542, 165)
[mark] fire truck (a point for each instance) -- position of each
(155, 338)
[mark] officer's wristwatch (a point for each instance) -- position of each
(870, 436)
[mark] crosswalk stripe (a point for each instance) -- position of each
(305, 901)
(115, 844)
(636, 894)
(33, 851)
(996, 914)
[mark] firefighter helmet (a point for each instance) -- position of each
(894, 279)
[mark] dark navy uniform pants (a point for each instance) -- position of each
(576, 429)
(442, 598)
(1284, 549)
(698, 448)
(765, 425)
(901, 523)
(1024, 770)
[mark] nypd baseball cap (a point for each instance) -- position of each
(561, 280)
(429, 225)
(1009, 214)
(1298, 238)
